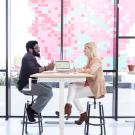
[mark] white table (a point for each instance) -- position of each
(61, 78)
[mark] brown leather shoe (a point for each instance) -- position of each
(67, 110)
(83, 117)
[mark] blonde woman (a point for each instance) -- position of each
(91, 87)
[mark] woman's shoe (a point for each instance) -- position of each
(83, 117)
(67, 110)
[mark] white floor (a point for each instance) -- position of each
(14, 127)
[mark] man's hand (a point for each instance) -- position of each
(50, 66)
(41, 69)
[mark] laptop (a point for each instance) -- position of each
(62, 65)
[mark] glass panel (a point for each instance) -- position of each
(126, 53)
(42, 23)
(39, 21)
(107, 100)
(88, 21)
(2, 57)
(2, 94)
(126, 94)
(127, 81)
(126, 18)
(2, 35)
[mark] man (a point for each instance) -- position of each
(41, 90)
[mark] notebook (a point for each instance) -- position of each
(62, 65)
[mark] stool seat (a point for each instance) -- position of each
(96, 105)
(25, 121)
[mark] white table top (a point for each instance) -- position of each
(53, 74)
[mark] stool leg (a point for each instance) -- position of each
(100, 114)
(103, 119)
(41, 123)
(24, 116)
(87, 124)
(26, 122)
(94, 103)
(85, 128)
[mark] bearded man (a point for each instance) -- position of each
(30, 66)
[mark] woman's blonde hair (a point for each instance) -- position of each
(92, 46)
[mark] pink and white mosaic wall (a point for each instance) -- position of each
(46, 26)
(84, 21)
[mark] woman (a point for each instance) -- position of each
(94, 86)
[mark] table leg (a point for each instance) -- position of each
(61, 107)
(132, 85)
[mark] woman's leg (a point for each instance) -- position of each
(81, 92)
(71, 92)
(76, 91)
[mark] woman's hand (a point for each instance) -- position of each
(81, 70)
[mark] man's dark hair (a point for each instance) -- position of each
(31, 44)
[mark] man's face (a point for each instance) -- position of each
(36, 50)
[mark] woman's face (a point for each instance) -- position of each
(87, 51)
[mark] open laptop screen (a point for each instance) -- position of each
(62, 65)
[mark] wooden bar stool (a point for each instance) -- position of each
(99, 106)
(25, 121)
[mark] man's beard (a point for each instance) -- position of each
(36, 54)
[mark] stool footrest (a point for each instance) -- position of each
(95, 124)
(28, 122)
